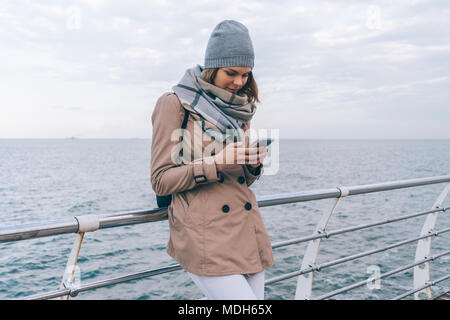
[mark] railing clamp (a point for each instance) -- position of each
(433, 233)
(430, 283)
(73, 292)
(88, 223)
(344, 191)
(315, 267)
(322, 231)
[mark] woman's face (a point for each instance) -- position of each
(232, 79)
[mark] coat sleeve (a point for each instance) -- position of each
(252, 174)
(168, 177)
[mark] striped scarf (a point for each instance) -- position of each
(225, 110)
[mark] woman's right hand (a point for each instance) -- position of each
(236, 154)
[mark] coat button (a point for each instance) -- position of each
(225, 208)
(248, 206)
(221, 178)
(241, 180)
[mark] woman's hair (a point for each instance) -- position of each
(250, 88)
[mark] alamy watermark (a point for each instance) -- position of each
(374, 281)
(73, 21)
(373, 18)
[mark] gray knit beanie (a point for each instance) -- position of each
(229, 45)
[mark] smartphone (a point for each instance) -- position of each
(262, 142)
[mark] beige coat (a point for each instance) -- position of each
(215, 225)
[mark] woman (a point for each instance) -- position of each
(216, 230)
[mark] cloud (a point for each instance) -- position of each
(66, 108)
(315, 61)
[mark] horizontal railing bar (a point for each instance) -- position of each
(355, 228)
(149, 273)
(370, 252)
(405, 217)
(352, 257)
(37, 230)
(440, 294)
(430, 284)
(385, 186)
(43, 229)
(144, 274)
(274, 200)
(384, 275)
(286, 243)
(353, 190)
(134, 276)
(103, 283)
(288, 275)
(49, 295)
(175, 267)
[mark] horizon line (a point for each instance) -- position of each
(289, 138)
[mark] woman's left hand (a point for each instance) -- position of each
(260, 151)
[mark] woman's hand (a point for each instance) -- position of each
(236, 154)
(262, 154)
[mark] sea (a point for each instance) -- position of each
(45, 180)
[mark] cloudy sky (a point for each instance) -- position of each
(325, 69)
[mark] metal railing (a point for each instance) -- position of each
(422, 283)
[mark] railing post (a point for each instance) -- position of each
(85, 224)
(423, 251)
(72, 271)
(304, 282)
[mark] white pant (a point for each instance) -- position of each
(232, 287)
